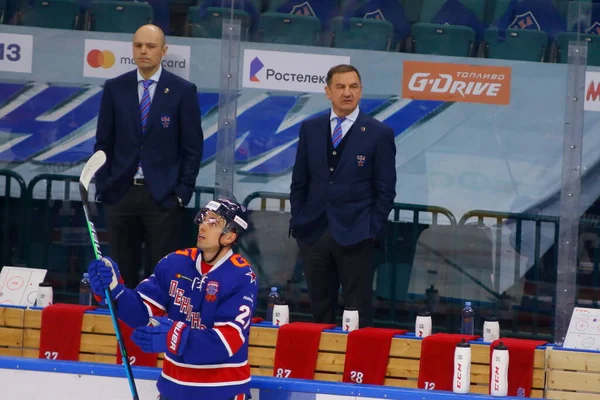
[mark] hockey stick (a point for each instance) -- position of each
(89, 170)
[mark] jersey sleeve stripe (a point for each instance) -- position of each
(152, 301)
(231, 324)
(225, 343)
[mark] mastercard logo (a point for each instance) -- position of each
(101, 58)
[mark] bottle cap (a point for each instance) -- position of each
(350, 308)
(281, 302)
(45, 284)
(491, 319)
(468, 303)
(274, 289)
(500, 346)
(86, 275)
(463, 343)
(424, 314)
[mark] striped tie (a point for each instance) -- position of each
(145, 103)
(336, 137)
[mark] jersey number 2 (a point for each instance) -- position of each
(243, 319)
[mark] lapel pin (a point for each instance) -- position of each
(166, 90)
(362, 129)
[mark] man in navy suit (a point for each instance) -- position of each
(342, 191)
(149, 128)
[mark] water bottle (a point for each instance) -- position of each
(499, 375)
(461, 382)
(273, 298)
(467, 316)
(281, 313)
(350, 319)
(491, 329)
(85, 290)
(423, 325)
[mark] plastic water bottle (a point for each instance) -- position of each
(499, 375)
(273, 298)
(467, 316)
(461, 383)
(85, 290)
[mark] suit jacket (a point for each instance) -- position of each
(355, 200)
(170, 150)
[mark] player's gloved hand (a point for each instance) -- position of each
(161, 336)
(104, 274)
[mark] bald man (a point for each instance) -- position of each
(150, 129)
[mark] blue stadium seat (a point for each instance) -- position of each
(391, 11)
(443, 40)
(206, 20)
(57, 14)
(531, 17)
(593, 42)
(362, 33)
(325, 10)
(516, 44)
(449, 27)
(118, 16)
(282, 28)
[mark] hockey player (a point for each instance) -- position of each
(196, 308)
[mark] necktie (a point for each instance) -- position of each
(145, 103)
(336, 137)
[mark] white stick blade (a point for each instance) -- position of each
(95, 162)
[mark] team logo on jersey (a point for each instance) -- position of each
(252, 276)
(377, 14)
(594, 29)
(212, 288)
(303, 9)
(525, 21)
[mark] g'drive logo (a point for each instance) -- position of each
(100, 58)
(456, 82)
(288, 71)
(109, 58)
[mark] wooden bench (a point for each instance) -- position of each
(20, 336)
(403, 364)
(573, 375)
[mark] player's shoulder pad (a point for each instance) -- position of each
(243, 267)
(190, 254)
(238, 261)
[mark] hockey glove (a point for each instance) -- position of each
(104, 274)
(161, 336)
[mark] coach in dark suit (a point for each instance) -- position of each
(342, 191)
(149, 127)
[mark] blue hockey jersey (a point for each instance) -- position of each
(539, 15)
(217, 306)
(387, 10)
(454, 12)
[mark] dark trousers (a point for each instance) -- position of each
(326, 265)
(135, 220)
